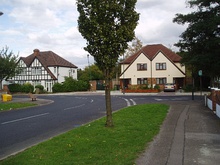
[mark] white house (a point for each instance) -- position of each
(43, 68)
(153, 64)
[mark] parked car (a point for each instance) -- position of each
(169, 87)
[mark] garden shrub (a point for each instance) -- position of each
(27, 87)
(14, 88)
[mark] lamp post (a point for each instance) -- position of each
(1, 13)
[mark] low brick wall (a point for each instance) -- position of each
(213, 101)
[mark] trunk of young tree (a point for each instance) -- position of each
(109, 119)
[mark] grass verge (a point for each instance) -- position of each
(10, 106)
(93, 143)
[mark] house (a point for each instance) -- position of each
(152, 64)
(43, 68)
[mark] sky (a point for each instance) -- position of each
(51, 25)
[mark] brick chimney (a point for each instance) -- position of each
(36, 52)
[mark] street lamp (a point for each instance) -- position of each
(1, 13)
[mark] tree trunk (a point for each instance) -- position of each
(109, 120)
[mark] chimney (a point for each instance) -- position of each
(36, 52)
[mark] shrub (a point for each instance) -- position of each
(57, 87)
(41, 87)
(13, 88)
(157, 87)
(27, 87)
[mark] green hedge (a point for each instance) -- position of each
(25, 88)
(70, 85)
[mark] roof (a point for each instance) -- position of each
(47, 59)
(151, 51)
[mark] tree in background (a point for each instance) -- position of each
(108, 26)
(135, 46)
(91, 72)
(200, 43)
(8, 63)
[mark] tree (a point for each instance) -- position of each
(8, 63)
(108, 26)
(135, 46)
(200, 43)
(91, 72)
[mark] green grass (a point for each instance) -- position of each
(93, 143)
(10, 106)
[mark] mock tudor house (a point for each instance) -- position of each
(152, 64)
(43, 68)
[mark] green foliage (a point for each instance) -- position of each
(157, 87)
(27, 87)
(8, 63)
(90, 73)
(41, 87)
(70, 85)
(93, 144)
(199, 43)
(57, 87)
(14, 88)
(107, 26)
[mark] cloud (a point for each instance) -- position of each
(52, 25)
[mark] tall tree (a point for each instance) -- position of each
(136, 45)
(200, 42)
(108, 26)
(8, 63)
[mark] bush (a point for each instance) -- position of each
(41, 87)
(27, 87)
(57, 87)
(13, 88)
(157, 87)
(71, 85)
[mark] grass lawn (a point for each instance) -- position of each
(9, 106)
(94, 144)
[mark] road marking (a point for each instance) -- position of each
(134, 103)
(128, 103)
(74, 107)
(26, 118)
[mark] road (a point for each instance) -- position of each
(26, 127)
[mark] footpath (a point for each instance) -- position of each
(190, 135)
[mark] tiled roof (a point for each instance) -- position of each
(47, 59)
(151, 51)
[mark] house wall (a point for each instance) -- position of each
(170, 73)
(132, 72)
(61, 72)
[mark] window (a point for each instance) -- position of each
(142, 81)
(161, 80)
(142, 66)
(161, 66)
(36, 71)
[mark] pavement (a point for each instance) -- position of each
(190, 134)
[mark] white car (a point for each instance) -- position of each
(169, 87)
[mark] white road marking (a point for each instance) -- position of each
(25, 118)
(128, 103)
(134, 103)
(74, 107)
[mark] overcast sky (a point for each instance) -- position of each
(52, 25)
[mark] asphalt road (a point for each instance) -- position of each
(23, 128)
